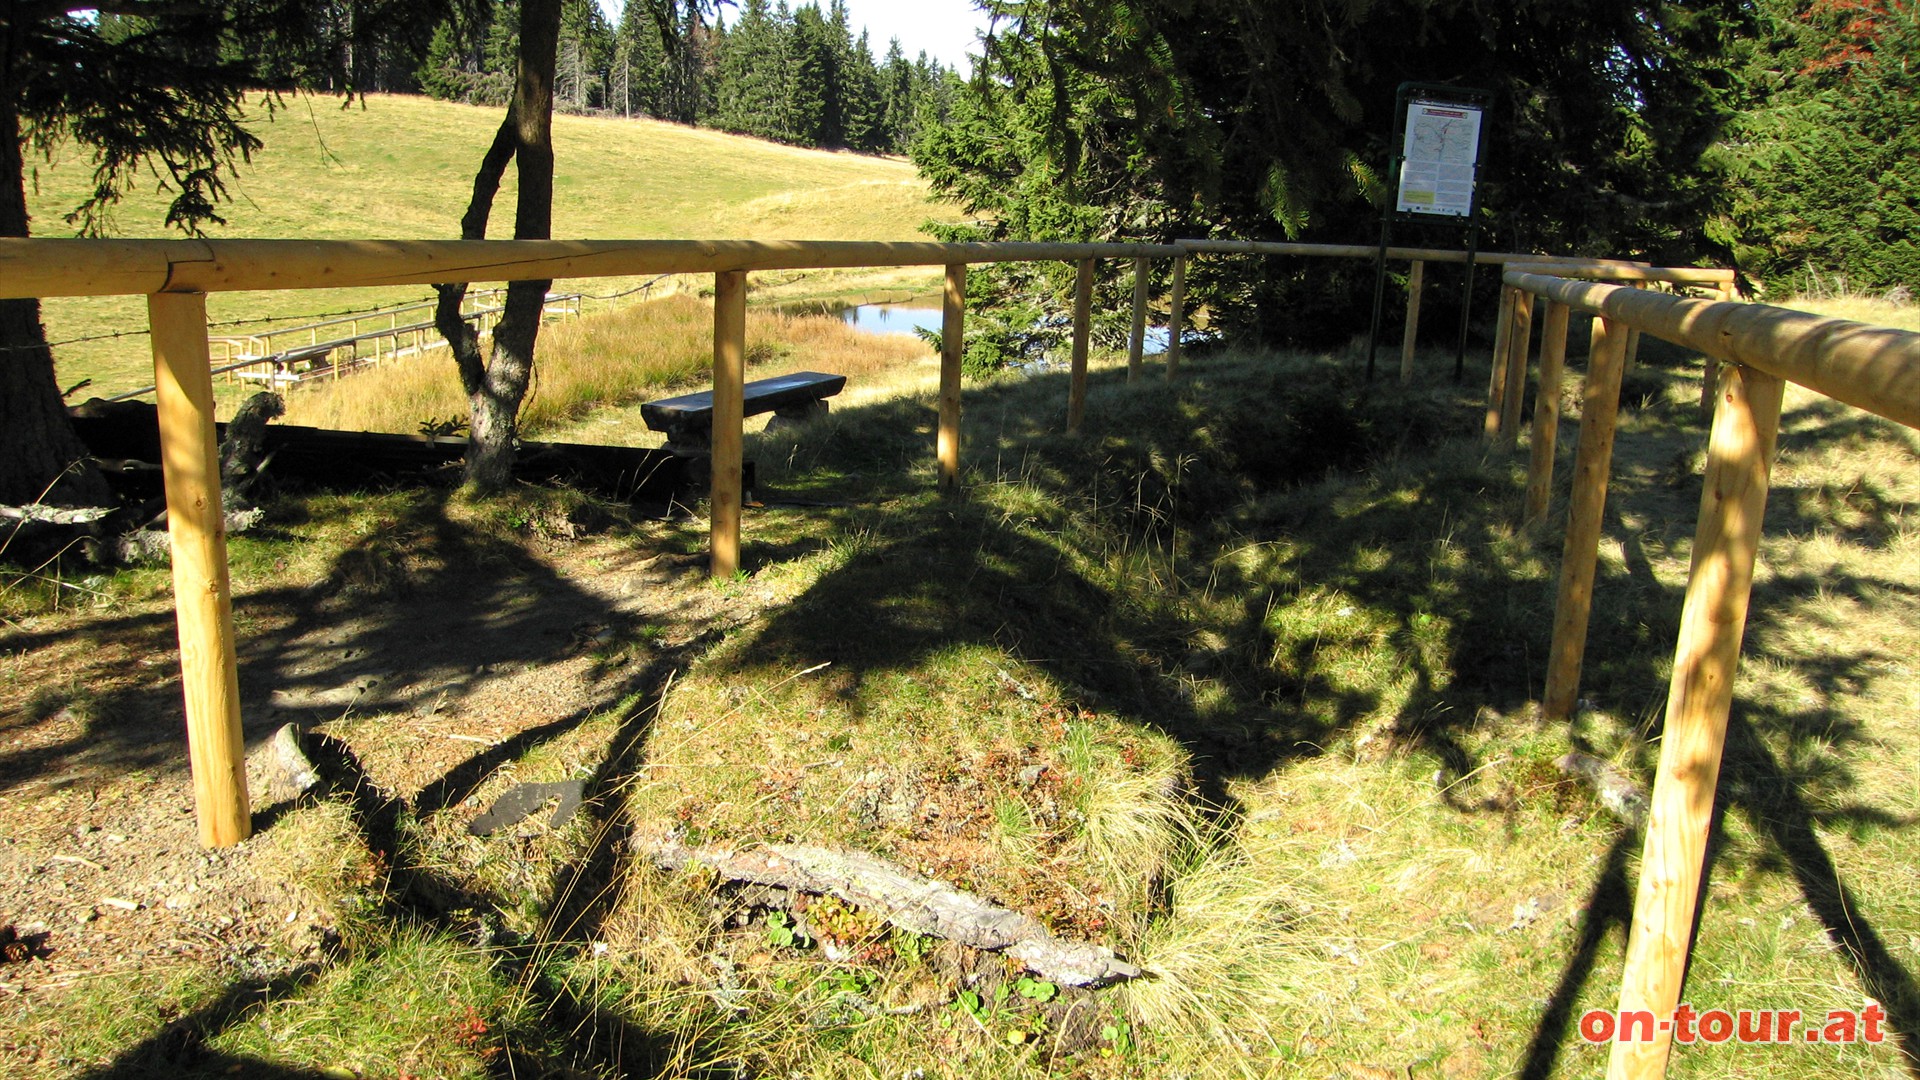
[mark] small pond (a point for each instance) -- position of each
(906, 318)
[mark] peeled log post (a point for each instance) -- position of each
(1518, 347)
(1713, 620)
(1546, 411)
(1632, 362)
(1137, 336)
(1177, 316)
(1082, 330)
(203, 604)
(1416, 280)
(1497, 378)
(952, 348)
(729, 420)
(1599, 409)
(1710, 373)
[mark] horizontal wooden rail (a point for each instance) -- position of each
(64, 267)
(1873, 367)
(1402, 254)
(1611, 271)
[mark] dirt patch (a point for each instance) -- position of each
(438, 653)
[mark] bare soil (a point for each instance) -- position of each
(435, 650)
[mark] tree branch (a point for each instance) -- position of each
(461, 337)
(904, 898)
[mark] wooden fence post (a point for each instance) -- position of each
(1416, 280)
(202, 594)
(1546, 411)
(1177, 316)
(1497, 380)
(1082, 330)
(1137, 337)
(1632, 362)
(952, 348)
(1713, 619)
(1600, 407)
(1518, 346)
(1710, 375)
(729, 421)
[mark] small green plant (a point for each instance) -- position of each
(850, 981)
(910, 948)
(784, 933)
(971, 1003)
(1119, 1040)
(1038, 990)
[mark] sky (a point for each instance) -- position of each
(945, 29)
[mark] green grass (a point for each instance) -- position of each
(403, 167)
(1237, 681)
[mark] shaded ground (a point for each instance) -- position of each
(439, 648)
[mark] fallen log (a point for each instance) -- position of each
(129, 430)
(909, 900)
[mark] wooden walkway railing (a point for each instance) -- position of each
(1874, 368)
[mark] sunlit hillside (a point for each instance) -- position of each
(396, 166)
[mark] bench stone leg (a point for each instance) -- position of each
(690, 440)
(787, 416)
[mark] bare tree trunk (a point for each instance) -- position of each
(461, 337)
(41, 460)
(496, 389)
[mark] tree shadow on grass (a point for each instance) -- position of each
(435, 608)
(1771, 799)
(981, 571)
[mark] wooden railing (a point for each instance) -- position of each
(1874, 368)
(176, 275)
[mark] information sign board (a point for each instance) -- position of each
(1439, 159)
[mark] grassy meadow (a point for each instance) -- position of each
(402, 167)
(1238, 682)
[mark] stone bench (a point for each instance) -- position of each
(687, 420)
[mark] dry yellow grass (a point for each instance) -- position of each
(602, 361)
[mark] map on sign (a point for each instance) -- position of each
(1440, 157)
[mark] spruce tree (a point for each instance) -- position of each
(1825, 194)
(752, 80)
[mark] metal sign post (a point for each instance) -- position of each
(1438, 138)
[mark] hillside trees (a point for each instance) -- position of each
(797, 75)
(585, 56)
(147, 90)
(1822, 163)
(1154, 119)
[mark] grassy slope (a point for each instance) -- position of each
(403, 167)
(1321, 600)
(1237, 681)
